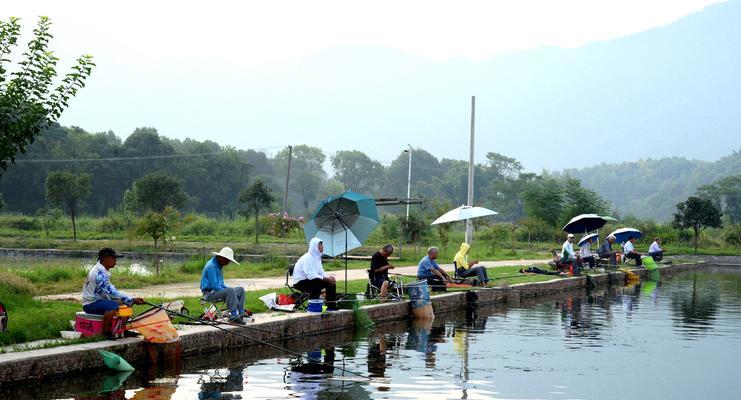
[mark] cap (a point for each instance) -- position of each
(107, 251)
(570, 235)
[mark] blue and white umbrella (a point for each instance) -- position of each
(583, 240)
(622, 234)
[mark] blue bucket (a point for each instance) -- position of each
(315, 305)
(419, 293)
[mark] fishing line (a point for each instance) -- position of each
(299, 355)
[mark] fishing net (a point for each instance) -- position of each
(362, 319)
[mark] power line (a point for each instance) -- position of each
(67, 160)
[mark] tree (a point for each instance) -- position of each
(503, 167)
(725, 194)
(65, 189)
(544, 200)
(28, 103)
(255, 198)
(357, 171)
(307, 173)
(155, 192)
(156, 225)
(579, 200)
(697, 214)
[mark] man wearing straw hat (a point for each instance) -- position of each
(214, 288)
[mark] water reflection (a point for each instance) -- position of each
(219, 383)
(695, 307)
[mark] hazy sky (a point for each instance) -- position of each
(219, 70)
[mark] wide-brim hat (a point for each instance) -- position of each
(227, 253)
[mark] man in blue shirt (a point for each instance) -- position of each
(430, 271)
(214, 288)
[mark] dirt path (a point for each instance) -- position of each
(191, 289)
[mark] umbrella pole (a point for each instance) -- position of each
(345, 258)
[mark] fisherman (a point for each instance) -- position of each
(655, 250)
(309, 276)
(585, 251)
(99, 296)
(605, 250)
(379, 269)
(214, 289)
(431, 272)
(467, 268)
(568, 256)
(630, 251)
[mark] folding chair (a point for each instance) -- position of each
(395, 289)
(213, 309)
(299, 297)
(556, 263)
(458, 277)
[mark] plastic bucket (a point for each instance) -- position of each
(649, 263)
(419, 293)
(315, 305)
(155, 326)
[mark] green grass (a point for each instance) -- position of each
(34, 320)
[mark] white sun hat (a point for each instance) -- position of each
(227, 253)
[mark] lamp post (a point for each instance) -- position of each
(409, 177)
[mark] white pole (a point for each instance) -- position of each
(469, 223)
(409, 180)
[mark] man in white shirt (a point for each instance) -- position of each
(630, 251)
(568, 256)
(655, 251)
(585, 251)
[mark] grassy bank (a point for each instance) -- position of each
(34, 320)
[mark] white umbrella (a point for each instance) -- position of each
(587, 237)
(463, 213)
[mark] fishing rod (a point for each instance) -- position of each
(232, 331)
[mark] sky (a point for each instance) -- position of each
(255, 74)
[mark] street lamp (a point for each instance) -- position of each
(409, 177)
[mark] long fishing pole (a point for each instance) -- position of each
(215, 325)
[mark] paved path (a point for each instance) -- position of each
(191, 289)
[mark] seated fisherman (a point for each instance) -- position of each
(379, 269)
(655, 250)
(605, 250)
(214, 288)
(467, 268)
(630, 251)
(430, 271)
(309, 276)
(568, 256)
(585, 251)
(99, 296)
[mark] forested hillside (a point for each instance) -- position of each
(651, 188)
(212, 176)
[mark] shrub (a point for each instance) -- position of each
(281, 225)
(732, 235)
(16, 284)
(20, 222)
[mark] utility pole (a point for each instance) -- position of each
(409, 177)
(288, 177)
(285, 198)
(471, 168)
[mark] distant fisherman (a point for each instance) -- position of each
(655, 250)
(605, 250)
(99, 296)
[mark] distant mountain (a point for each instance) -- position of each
(652, 188)
(669, 91)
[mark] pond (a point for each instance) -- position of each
(672, 338)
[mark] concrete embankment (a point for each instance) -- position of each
(20, 367)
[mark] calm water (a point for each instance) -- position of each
(678, 338)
